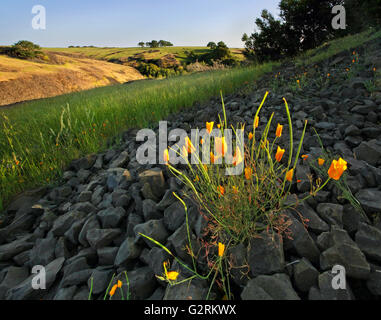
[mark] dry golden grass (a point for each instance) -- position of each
(22, 80)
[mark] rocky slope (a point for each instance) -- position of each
(88, 225)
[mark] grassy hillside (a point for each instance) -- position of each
(22, 80)
(148, 53)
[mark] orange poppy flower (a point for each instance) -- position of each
(256, 122)
(304, 157)
(250, 136)
(248, 173)
(120, 284)
(279, 154)
(237, 157)
(221, 190)
(337, 168)
(166, 156)
(209, 127)
(213, 158)
(221, 146)
(321, 161)
(289, 175)
(189, 145)
(113, 289)
(279, 130)
(221, 249)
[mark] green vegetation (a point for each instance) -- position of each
(112, 54)
(333, 47)
(304, 25)
(39, 138)
(218, 53)
(23, 50)
(156, 44)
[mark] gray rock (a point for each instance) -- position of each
(275, 287)
(370, 200)
(62, 248)
(9, 250)
(84, 196)
(142, 284)
(369, 151)
(82, 294)
(150, 211)
(155, 179)
(346, 253)
(127, 252)
(368, 238)
(74, 266)
(302, 242)
(265, 255)
(352, 130)
(97, 195)
(14, 276)
(191, 290)
(100, 280)
(107, 255)
(64, 222)
(179, 241)
(327, 292)
(121, 161)
(154, 229)
(91, 223)
(73, 233)
(83, 163)
(305, 275)
(65, 293)
(352, 219)
(77, 278)
(238, 260)
(120, 198)
(174, 216)
(22, 258)
(156, 257)
(132, 221)
(315, 223)
(111, 217)
(24, 291)
(86, 207)
(99, 238)
(374, 282)
(158, 294)
(331, 213)
(167, 200)
(43, 251)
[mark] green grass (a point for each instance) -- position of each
(118, 53)
(39, 138)
(331, 48)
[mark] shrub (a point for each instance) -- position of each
(25, 50)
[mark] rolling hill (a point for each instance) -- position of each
(61, 73)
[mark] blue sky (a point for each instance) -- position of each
(123, 23)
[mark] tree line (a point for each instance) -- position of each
(306, 24)
(155, 44)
